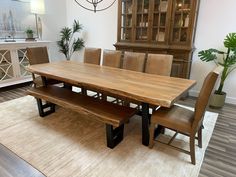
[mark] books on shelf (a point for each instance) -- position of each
(160, 37)
(163, 6)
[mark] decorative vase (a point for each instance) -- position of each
(40, 29)
(217, 100)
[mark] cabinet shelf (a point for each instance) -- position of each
(159, 27)
(159, 12)
(182, 12)
(127, 27)
(128, 14)
(142, 13)
(140, 27)
(180, 27)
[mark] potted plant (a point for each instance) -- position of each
(30, 33)
(227, 59)
(68, 44)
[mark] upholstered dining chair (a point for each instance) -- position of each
(183, 120)
(111, 58)
(159, 64)
(134, 61)
(91, 56)
(39, 55)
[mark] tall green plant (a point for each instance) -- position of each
(68, 44)
(226, 59)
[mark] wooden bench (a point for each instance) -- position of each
(113, 115)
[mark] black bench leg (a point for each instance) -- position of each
(145, 124)
(41, 107)
(67, 86)
(114, 136)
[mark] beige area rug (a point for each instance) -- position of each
(65, 144)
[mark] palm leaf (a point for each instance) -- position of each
(228, 59)
(66, 33)
(207, 55)
(230, 40)
(76, 26)
(78, 44)
(231, 60)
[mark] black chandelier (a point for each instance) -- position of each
(94, 4)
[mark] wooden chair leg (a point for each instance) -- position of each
(104, 97)
(192, 149)
(151, 135)
(162, 130)
(126, 103)
(200, 137)
(83, 91)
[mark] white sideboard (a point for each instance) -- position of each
(13, 61)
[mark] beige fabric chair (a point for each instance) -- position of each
(39, 55)
(134, 61)
(159, 64)
(183, 120)
(112, 58)
(92, 56)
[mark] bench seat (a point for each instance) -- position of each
(112, 115)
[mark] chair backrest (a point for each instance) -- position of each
(37, 55)
(203, 97)
(134, 61)
(159, 64)
(92, 56)
(112, 58)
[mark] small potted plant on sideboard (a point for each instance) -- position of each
(227, 59)
(30, 34)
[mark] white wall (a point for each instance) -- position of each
(53, 20)
(99, 29)
(216, 19)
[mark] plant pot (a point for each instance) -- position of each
(30, 35)
(217, 100)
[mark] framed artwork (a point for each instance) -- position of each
(15, 18)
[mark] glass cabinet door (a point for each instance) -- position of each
(159, 22)
(181, 21)
(6, 68)
(23, 61)
(142, 25)
(126, 20)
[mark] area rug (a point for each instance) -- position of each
(67, 144)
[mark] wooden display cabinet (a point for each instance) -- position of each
(159, 26)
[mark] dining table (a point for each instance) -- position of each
(148, 89)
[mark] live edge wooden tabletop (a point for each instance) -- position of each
(147, 88)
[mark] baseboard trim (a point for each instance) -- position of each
(230, 100)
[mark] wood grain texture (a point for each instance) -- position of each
(100, 110)
(10, 93)
(152, 89)
(13, 166)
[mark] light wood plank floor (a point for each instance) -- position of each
(220, 157)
